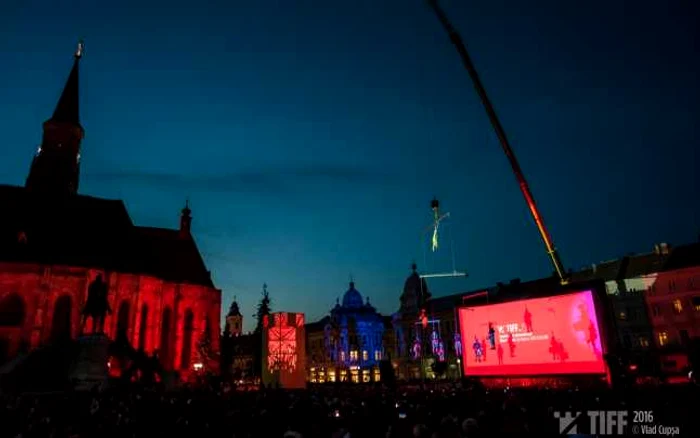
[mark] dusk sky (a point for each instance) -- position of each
(310, 136)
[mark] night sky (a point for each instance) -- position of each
(310, 136)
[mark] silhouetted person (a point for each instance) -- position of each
(483, 348)
(499, 352)
(553, 347)
(592, 335)
(582, 324)
(511, 345)
(97, 305)
(492, 336)
(527, 317)
(476, 345)
(563, 354)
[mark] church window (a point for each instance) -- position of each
(353, 355)
(187, 340)
(143, 327)
(12, 311)
(123, 320)
(165, 337)
(342, 356)
(365, 355)
(377, 355)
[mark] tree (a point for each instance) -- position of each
(263, 309)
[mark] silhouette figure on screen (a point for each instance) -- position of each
(483, 348)
(511, 345)
(592, 338)
(563, 354)
(527, 318)
(556, 348)
(478, 352)
(499, 352)
(553, 347)
(585, 325)
(492, 336)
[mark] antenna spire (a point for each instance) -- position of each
(81, 48)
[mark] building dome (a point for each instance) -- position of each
(352, 298)
(415, 291)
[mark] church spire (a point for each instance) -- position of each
(68, 107)
(55, 168)
(186, 220)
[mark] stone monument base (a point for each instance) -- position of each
(90, 366)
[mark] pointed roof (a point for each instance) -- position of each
(68, 108)
(234, 310)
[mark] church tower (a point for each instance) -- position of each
(234, 320)
(56, 165)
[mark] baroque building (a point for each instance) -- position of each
(348, 344)
(55, 241)
(425, 331)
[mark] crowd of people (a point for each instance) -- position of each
(430, 411)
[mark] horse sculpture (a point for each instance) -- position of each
(97, 306)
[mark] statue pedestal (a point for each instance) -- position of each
(90, 367)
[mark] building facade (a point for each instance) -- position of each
(238, 349)
(54, 242)
(348, 344)
(656, 300)
(427, 340)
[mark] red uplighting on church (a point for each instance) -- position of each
(54, 242)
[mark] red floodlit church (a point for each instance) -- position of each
(54, 242)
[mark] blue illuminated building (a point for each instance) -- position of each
(352, 341)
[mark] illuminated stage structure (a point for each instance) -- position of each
(284, 350)
(424, 341)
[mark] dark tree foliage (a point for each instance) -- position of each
(264, 309)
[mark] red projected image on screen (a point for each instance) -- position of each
(553, 335)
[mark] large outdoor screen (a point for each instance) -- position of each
(552, 335)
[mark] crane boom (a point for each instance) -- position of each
(500, 132)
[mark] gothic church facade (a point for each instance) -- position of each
(55, 241)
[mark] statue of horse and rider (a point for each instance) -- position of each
(97, 306)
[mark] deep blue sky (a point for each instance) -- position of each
(310, 136)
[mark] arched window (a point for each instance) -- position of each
(12, 311)
(165, 341)
(123, 320)
(143, 327)
(187, 340)
(61, 321)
